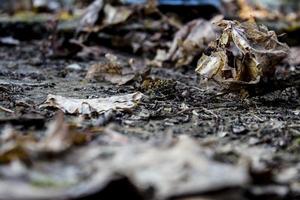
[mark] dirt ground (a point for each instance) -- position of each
(262, 130)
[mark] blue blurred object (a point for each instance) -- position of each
(215, 3)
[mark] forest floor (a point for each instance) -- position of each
(250, 148)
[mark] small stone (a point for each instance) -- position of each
(222, 134)
(74, 66)
(238, 129)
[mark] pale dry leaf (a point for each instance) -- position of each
(91, 14)
(89, 106)
(210, 65)
(116, 14)
(184, 168)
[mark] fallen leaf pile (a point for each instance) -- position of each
(245, 53)
(139, 28)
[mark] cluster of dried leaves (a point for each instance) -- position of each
(141, 28)
(244, 54)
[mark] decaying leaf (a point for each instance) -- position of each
(89, 106)
(188, 43)
(115, 70)
(244, 54)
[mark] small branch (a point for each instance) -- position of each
(6, 109)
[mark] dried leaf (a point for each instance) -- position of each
(176, 170)
(116, 14)
(89, 106)
(91, 14)
(57, 138)
(103, 14)
(189, 42)
(212, 64)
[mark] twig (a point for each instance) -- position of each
(257, 117)
(194, 108)
(210, 112)
(6, 109)
(190, 86)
